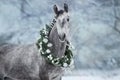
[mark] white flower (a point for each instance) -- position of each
(46, 36)
(67, 59)
(45, 40)
(42, 52)
(49, 45)
(45, 31)
(50, 57)
(57, 58)
(48, 51)
(40, 43)
(40, 49)
(52, 61)
(65, 65)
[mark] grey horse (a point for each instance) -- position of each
(24, 62)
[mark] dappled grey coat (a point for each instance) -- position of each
(24, 62)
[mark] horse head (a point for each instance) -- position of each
(62, 21)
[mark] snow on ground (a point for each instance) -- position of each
(90, 78)
(93, 75)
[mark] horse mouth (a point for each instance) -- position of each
(62, 38)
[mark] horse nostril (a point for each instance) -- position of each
(63, 23)
(68, 19)
(64, 36)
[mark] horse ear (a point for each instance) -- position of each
(65, 7)
(55, 9)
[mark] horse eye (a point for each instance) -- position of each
(67, 19)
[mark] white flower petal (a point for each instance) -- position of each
(45, 40)
(42, 53)
(46, 36)
(56, 62)
(50, 57)
(40, 48)
(40, 43)
(67, 59)
(49, 45)
(52, 61)
(65, 65)
(48, 51)
(45, 31)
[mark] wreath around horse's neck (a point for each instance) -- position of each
(43, 46)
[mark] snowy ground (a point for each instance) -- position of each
(93, 75)
(90, 78)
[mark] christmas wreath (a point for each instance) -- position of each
(43, 46)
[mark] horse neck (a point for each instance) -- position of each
(58, 48)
